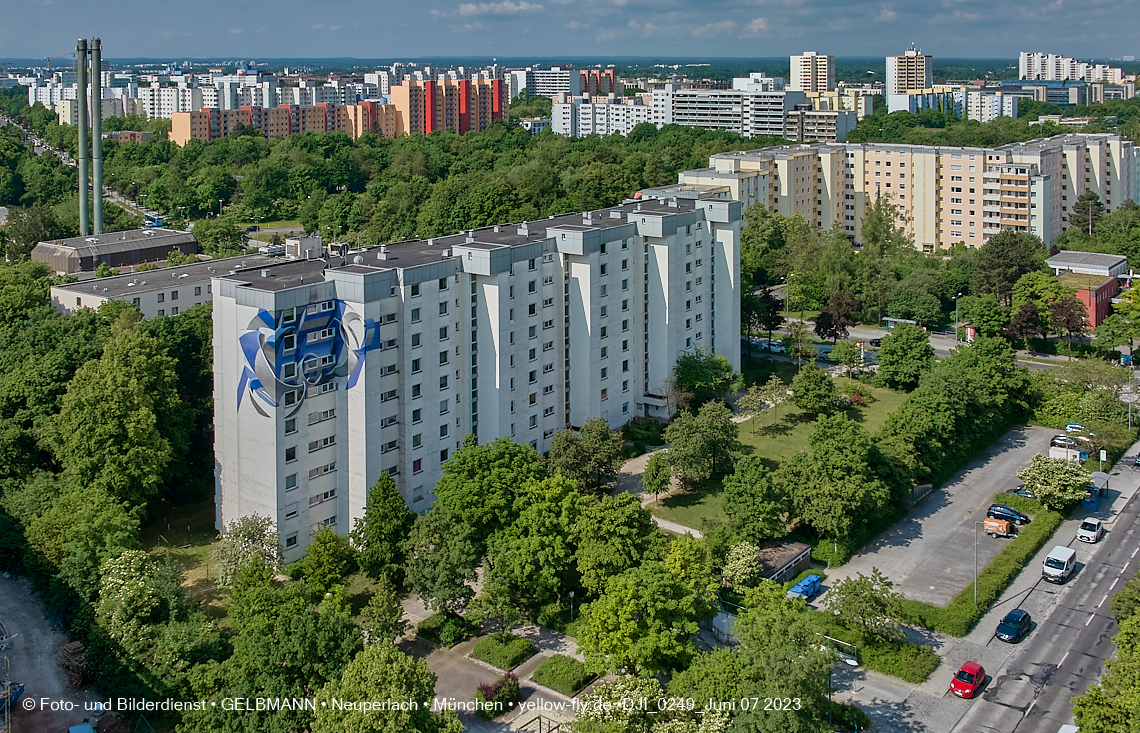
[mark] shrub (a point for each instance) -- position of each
(562, 673)
(445, 629)
(903, 659)
(503, 650)
(847, 717)
(960, 616)
(500, 695)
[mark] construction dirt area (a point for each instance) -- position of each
(34, 658)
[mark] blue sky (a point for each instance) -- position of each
(570, 28)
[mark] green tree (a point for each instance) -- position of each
(848, 354)
(742, 568)
(1086, 212)
(837, 315)
(918, 297)
(1068, 316)
(657, 474)
(328, 558)
(1003, 260)
(602, 709)
(798, 344)
(814, 391)
(591, 457)
(703, 445)
(383, 618)
(985, 314)
(752, 403)
(706, 376)
(442, 558)
(690, 561)
(122, 422)
(642, 622)
(1126, 602)
(498, 605)
(380, 534)
(769, 310)
(1027, 321)
(382, 672)
(755, 508)
(105, 270)
(776, 394)
(244, 539)
(905, 355)
(480, 482)
(613, 535)
(1116, 330)
(1058, 483)
(1041, 288)
(868, 605)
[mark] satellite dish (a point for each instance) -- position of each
(358, 260)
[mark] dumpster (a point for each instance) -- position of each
(806, 588)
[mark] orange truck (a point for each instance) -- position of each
(999, 528)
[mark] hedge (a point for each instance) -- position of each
(562, 673)
(503, 695)
(903, 659)
(503, 650)
(960, 616)
(446, 630)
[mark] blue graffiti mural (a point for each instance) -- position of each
(288, 354)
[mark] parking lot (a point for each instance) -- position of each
(929, 555)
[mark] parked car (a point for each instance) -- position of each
(876, 343)
(1008, 513)
(969, 680)
(1014, 627)
(1059, 564)
(1074, 427)
(774, 346)
(1091, 530)
(1022, 491)
(1063, 441)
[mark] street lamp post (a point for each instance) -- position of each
(571, 605)
(182, 212)
(788, 293)
(957, 339)
(219, 207)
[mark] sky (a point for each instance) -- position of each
(424, 29)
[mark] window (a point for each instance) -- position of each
(688, 323)
(443, 333)
(315, 445)
(532, 332)
(548, 324)
(625, 264)
(534, 421)
(688, 285)
(417, 440)
(389, 318)
(443, 357)
(548, 280)
(605, 372)
(443, 407)
(291, 425)
(546, 368)
(605, 394)
(288, 315)
(443, 283)
(443, 455)
(417, 465)
(415, 315)
(291, 454)
(625, 365)
(603, 270)
(134, 301)
(547, 302)
(625, 345)
(291, 540)
(533, 353)
(547, 412)
(625, 305)
(625, 385)
(443, 382)
(288, 371)
(416, 290)
(625, 284)
(532, 287)
(389, 395)
(603, 250)
(602, 311)
(547, 345)
(548, 389)
(604, 353)
(388, 447)
(533, 376)
(291, 482)
(415, 366)
(291, 510)
(533, 398)
(443, 309)
(198, 290)
(161, 297)
(603, 334)
(532, 309)
(511, 291)
(288, 342)
(415, 391)
(531, 265)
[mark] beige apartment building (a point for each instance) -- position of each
(943, 195)
(811, 72)
(911, 70)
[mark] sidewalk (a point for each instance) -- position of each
(629, 482)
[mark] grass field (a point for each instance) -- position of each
(188, 534)
(777, 437)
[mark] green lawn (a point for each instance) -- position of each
(776, 438)
(188, 534)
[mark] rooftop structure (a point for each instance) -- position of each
(116, 249)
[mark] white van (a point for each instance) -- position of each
(1059, 564)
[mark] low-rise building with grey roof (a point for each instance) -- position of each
(116, 249)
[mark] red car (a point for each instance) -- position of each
(968, 680)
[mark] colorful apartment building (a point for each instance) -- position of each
(459, 105)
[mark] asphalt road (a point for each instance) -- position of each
(929, 554)
(1032, 692)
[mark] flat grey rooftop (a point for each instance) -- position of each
(120, 286)
(97, 244)
(1085, 259)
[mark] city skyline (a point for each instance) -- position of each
(547, 28)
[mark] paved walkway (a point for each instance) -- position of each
(629, 482)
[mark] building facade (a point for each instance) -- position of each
(911, 70)
(582, 116)
(943, 195)
(988, 106)
(326, 376)
(459, 106)
(812, 72)
(755, 106)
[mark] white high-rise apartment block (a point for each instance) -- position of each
(324, 377)
(912, 70)
(582, 116)
(988, 106)
(1052, 67)
(552, 81)
(757, 105)
(381, 79)
(812, 72)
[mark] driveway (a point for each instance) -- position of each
(929, 555)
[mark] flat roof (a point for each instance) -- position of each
(120, 286)
(1066, 258)
(1078, 281)
(100, 244)
(283, 275)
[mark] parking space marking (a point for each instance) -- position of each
(1102, 600)
(1114, 582)
(1134, 553)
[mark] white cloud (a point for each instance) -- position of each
(886, 13)
(711, 29)
(235, 30)
(757, 26)
(504, 7)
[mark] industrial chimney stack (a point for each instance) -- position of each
(81, 100)
(97, 131)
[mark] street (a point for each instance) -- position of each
(1030, 685)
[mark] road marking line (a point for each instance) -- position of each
(1102, 600)
(1135, 551)
(1026, 715)
(1113, 583)
(1122, 570)
(1063, 659)
(1091, 617)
